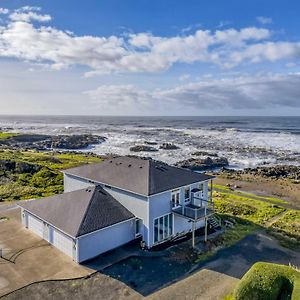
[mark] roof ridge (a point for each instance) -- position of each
(87, 209)
(150, 176)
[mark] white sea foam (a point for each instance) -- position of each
(244, 147)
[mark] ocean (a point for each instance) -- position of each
(245, 141)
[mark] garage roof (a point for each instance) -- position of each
(79, 212)
(138, 175)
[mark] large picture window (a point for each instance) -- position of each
(163, 227)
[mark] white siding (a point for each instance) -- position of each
(138, 205)
(61, 241)
(160, 204)
(35, 225)
(72, 183)
(91, 245)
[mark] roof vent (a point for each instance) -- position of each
(129, 166)
(110, 161)
(141, 167)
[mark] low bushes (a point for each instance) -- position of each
(266, 281)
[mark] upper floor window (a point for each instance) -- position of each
(175, 198)
(187, 194)
(201, 187)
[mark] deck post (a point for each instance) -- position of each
(205, 236)
(193, 235)
(211, 191)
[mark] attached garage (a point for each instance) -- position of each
(36, 225)
(82, 224)
(62, 242)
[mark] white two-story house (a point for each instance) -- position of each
(108, 204)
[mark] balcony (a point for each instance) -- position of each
(195, 212)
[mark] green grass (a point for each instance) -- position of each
(266, 281)
(241, 229)
(47, 181)
(224, 188)
(221, 187)
(253, 210)
(287, 229)
(5, 135)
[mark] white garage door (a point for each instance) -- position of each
(36, 225)
(63, 242)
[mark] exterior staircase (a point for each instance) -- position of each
(214, 222)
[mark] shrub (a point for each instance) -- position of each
(266, 281)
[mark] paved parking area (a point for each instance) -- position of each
(30, 258)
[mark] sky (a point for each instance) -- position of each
(139, 57)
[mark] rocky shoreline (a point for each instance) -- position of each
(274, 172)
(48, 142)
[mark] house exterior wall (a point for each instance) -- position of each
(72, 183)
(136, 204)
(98, 242)
(145, 208)
(160, 204)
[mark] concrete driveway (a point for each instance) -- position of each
(27, 257)
(219, 274)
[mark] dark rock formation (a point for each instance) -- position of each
(205, 153)
(150, 143)
(18, 167)
(280, 171)
(46, 142)
(168, 146)
(203, 164)
(140, 148)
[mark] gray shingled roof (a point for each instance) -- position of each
(142, 176)
(79, 212)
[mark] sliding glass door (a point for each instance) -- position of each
(163, 227)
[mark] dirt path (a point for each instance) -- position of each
(274, 219)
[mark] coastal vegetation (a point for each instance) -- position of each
(32, 174)
(280, 222)
(6, 135)
(268, 281)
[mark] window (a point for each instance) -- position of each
(163, 227)
(201, 188)
(138, 227)
(175, 198)
(186, 194)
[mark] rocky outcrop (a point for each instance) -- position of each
(46, 142)
(205, 153)
(168, 146)
(200, 164)
(150, 143)
(18, 167)
(75, 141)
(280, 171)
(142, 148)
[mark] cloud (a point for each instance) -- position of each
(29, 16)
(184, 77)
(264, 20)
(4, 11)
(140, 52)
(28, 8)
(262, 91)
